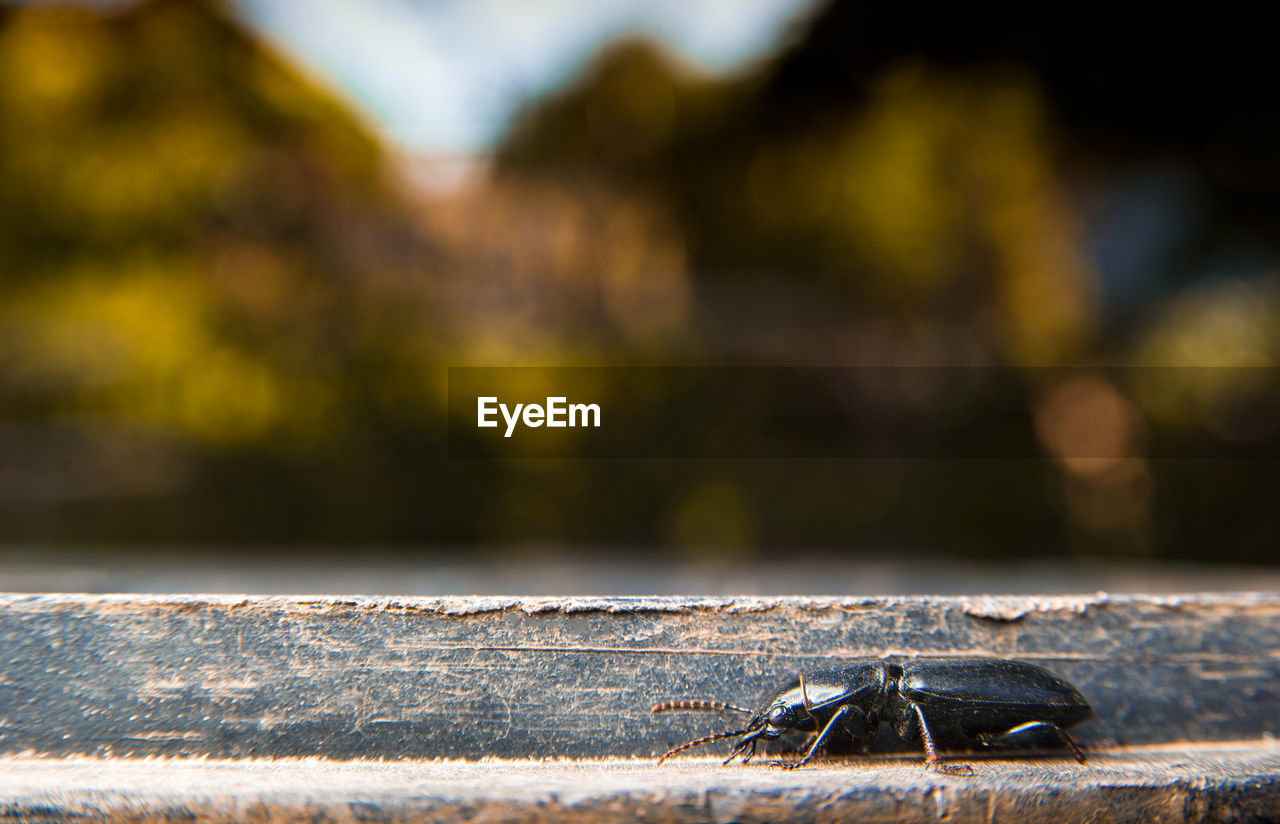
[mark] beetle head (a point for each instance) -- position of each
(784, 713)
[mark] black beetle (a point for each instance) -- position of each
(948, 702)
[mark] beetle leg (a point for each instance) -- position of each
(1010, 737)
(931, 751)
(822, 736)
(751, 738)
(1070, 742)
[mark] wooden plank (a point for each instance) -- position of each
(232, 677)
(1200, 783)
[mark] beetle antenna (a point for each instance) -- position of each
(700, 741)
(696, 705)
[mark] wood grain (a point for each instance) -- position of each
(1194, 783)
(387, 678)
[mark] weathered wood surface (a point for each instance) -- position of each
(232, 677)
(1194, 783)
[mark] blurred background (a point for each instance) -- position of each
(242, 242)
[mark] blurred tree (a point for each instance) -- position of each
(918, 192)
(906, 184)
(201, 251)
(911, 152)
(224, 317)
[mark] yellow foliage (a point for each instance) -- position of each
(939, 167)
(61, 58)
(143, 345)
(1208, 356)
(227, 397)
(89, 330)
(899, 176)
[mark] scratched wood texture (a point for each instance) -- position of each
(379, 678)
(1192, 783)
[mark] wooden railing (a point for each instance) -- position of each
(415, 708)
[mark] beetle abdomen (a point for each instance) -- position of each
(1003, 689)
